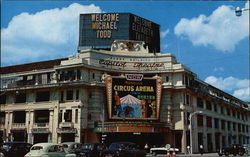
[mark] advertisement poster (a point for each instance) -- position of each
(133, 97)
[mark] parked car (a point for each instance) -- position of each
(162, 150)
(247, 148)
(46, 149)
(123, 149)
(14, 149)
(71, 146)
(232, 149)
(88, 150)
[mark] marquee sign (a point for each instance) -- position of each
(101, 29)
(133, 97)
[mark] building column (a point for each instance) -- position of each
(184, 141)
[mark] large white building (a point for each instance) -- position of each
(75, 99)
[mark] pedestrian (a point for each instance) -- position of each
(146, 147)
(201, 149)
(188, 149)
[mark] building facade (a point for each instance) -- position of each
(67, 100)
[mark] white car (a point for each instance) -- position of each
(46, 150)
(162, 150)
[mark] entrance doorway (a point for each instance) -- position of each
(152, 139)
(19, 136)
(38, 138)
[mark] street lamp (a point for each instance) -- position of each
(238, 11)
(191, 138)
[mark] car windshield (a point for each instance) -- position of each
(88, 146)
(122, 146)
(37, 148)
(6, 147)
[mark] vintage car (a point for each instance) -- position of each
(163, 150)
(247, 148)
(46, 150)
(71, 146)
(235, 149)
(14, 149)
(88, 150)
(123, 149)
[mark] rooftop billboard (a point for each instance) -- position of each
(99, 30)
(133, 97)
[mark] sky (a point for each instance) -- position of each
(205, 36)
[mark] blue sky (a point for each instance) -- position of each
(206, 36)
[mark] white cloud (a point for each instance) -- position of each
(218, 69)
(222, 29)
(45, 35)
(243, 94)
(237, 87)
(164, 33)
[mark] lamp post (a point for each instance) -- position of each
(238, 11)
(190, 119)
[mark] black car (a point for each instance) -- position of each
(235, 149)
(89, 150)
(14, 149)
(123, 149)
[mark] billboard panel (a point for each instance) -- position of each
(99, 30)
(133, 97)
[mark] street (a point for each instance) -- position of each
(194, 155)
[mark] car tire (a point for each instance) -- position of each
(241, 153)
(220, 154)
(234, 154)
(1, 155)
(154, 153)
(227, 154)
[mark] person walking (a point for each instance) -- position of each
(201, 149)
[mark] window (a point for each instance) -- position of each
(228, 126)
(42, 96)
(234, 114)
(208, 105)
(223, 124)
(19, 116)
(187, 118)
(77, 94)
(221, 110)
(3, 99)
(228, 112)
(238, 115)
(187, 99)
(69, 95)
(42, 116)
(93, 75)
(78, 74)
(2, 117)
(20, 98)
(68, 116)
(216, 123)
(234, 127)
(62, 96)
(200, 102)
(215, 107)
(200, 120)
(209, 122)
(239, 127)
(60, 117)
(76, 116)
(167, 78)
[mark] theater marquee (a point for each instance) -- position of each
(133, 97)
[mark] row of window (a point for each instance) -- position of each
(41, 116)
(43, 96)
(214, 107)
(230, 125)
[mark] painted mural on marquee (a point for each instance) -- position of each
(133, 97)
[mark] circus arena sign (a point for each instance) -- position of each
(130, 99)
